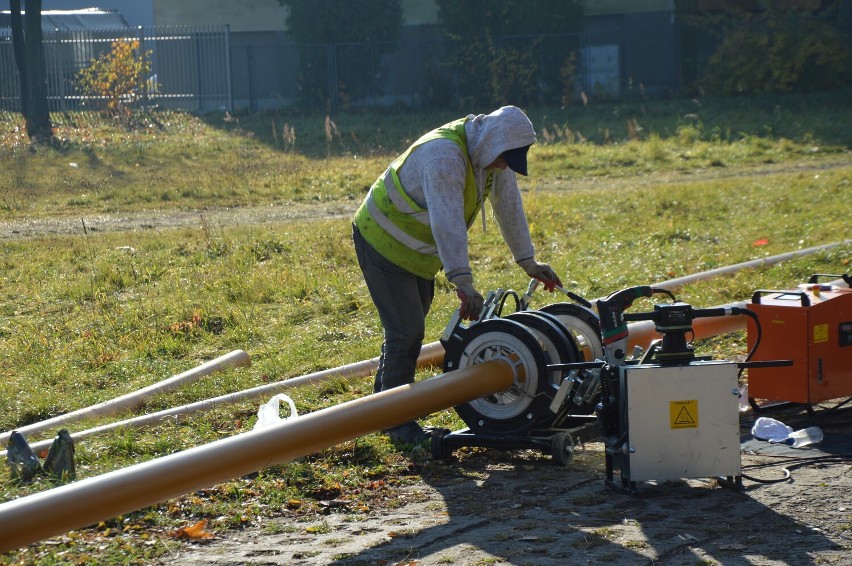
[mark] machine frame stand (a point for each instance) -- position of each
(558, 443)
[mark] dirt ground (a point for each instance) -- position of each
(259, 215)
(492, 507)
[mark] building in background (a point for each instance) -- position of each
(135, 12)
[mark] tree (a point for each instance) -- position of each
(319, 24)
(512, 51)
(772, 47)
(29, 58)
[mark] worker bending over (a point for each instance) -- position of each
(414, 222)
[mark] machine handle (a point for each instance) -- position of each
(637, 316)
(575, 297)
(691, 313)
(846, 277)
(755, 298)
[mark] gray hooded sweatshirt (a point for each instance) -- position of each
(433, 176)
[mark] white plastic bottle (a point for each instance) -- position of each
(805, 436)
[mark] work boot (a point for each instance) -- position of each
(408, 433)
(23, 463)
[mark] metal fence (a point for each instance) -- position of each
(190, 67)
(209, 68)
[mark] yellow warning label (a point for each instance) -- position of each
(683, 414)
(820, 333)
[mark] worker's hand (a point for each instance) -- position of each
(542, 272)
(471, 300)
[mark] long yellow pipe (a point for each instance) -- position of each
(77, 505)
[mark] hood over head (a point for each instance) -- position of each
(489, 135)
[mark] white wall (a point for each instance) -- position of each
(136, 12)
(245, 15)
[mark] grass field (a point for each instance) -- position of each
(618, 196)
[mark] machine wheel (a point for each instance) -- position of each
(558, 344)
(520, 407)
(583, 325)
(562, 448)
(559, 347)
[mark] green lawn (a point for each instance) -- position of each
(86, 317)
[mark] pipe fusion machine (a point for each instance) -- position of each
(662, 413)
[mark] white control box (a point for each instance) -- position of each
(682, 421)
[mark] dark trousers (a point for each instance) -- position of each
(403, 300)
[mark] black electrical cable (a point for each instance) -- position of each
(751, 314)
(797, 463)
(664, 292)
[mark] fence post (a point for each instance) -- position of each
(332, 77)
(144, 80)
(230, 104)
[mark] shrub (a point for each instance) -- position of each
(116, 77)
(776, 52)
(516, 51)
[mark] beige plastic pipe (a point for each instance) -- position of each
(233, 359)
(432, 354)
(673, 284)
(89, 501)
(429, 356)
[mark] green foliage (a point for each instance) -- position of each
(343, 21)
(497, 63)
(319, 24)
(117, 76)
(775, 51)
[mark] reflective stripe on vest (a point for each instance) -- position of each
(397, 227)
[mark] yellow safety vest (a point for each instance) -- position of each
(397, 227)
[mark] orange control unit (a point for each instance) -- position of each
(812, 326)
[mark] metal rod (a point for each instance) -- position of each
(86, 502)
(233, 359)
(430, 356)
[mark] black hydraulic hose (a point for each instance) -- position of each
(752, 315)
(503, 302)
(660, 290)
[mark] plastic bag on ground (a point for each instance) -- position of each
(60, 457)
(23, 463)
(270, 412)
(766, 428)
